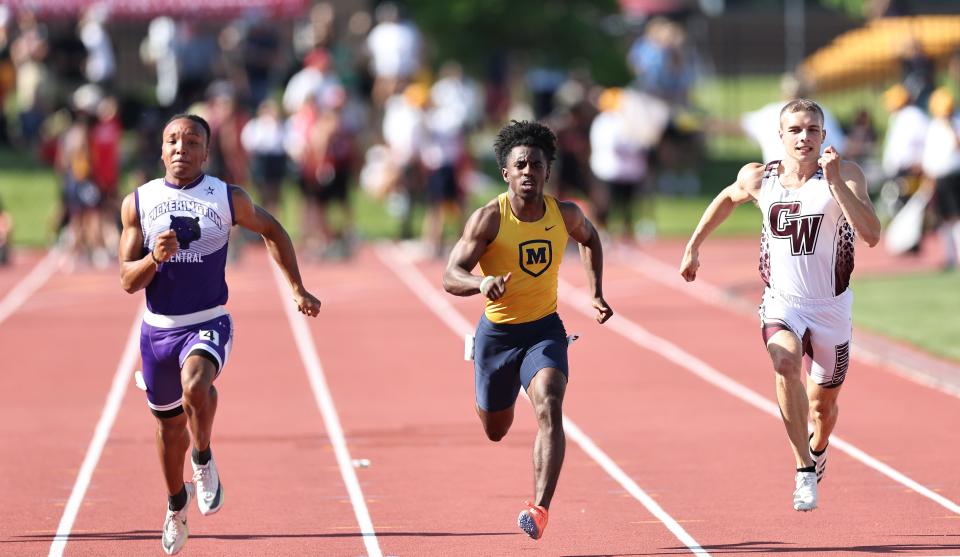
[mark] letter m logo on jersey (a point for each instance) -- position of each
(536, 257)
(786, 221)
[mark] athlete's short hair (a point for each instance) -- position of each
(193, 117)
(529, 134)
(802, 105)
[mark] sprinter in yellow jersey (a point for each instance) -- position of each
(519, 239)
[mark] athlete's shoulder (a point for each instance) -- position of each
(151, 184)
(484, 222)
(850, 170)
(751, 175)
(756, 169)
(489, 210)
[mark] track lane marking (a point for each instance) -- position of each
(121, 382)
(437, 303)
(331, 421)
(580, 301)
(29, 284)
(708, 293)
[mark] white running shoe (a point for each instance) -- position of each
(805, 495)
(209, 488)
(175, 532)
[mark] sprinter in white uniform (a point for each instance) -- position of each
(813, 208)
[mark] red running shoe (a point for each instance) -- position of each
(533, 520)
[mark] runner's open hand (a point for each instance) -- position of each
(496, 288)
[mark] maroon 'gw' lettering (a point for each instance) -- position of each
(802, 230)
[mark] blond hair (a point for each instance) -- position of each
(802, 105)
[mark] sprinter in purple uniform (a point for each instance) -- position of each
(174, 244)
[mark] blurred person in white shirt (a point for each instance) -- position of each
(902, 149)
(762, 124)
(620, 144)
(403, 132)
(941, 165)
(263, 138)
(315, 79)
(394, 47)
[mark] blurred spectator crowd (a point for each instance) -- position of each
(339, 100)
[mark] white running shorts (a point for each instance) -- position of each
(824, 327)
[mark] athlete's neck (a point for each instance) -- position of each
(797, 172)
(527, 210)
(182, 183)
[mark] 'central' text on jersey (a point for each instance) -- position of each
(535, 256)
(802, 230)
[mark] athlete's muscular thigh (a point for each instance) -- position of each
(197, 374)
(786, 353)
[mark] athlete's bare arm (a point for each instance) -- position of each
(591, 254)
(746, 188)
(849, 188)
(256, 219)
(136, 269)
(481, 229)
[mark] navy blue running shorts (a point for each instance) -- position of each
(508, 356)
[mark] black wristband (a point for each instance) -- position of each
(156, 261)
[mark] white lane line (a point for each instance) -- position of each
(397, 262)
(121, 381)
(321, 392)
(669, 276)
(29, 284)
(579, 300)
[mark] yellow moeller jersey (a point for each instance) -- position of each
(532, 252)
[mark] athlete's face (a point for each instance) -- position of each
(526, 172)
(802, 134)
(184, 150)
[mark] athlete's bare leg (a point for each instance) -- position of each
(496, 424)
(173, 440)
(823, 412)
(199, 398)
(786, 354)
(546, 394)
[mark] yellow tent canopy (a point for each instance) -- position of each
(872, 53)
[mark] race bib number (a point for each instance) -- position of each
(212, 336)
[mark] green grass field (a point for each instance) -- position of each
(30, 193)
(920, 309)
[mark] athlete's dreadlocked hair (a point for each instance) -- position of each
(529, 134)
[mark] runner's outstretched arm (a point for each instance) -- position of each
(256, 219)
(746, 188)
(591, 254)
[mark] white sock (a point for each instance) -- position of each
(948, 233)
(955, 240)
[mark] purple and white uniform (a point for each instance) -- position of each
(806, 260)
(185, 299)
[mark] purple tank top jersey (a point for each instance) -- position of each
(201, 213)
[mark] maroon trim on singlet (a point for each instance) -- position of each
(770, 328)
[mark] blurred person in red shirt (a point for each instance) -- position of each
(105, 137)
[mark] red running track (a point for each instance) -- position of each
(716, 465)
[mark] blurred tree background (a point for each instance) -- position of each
(533, 32)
